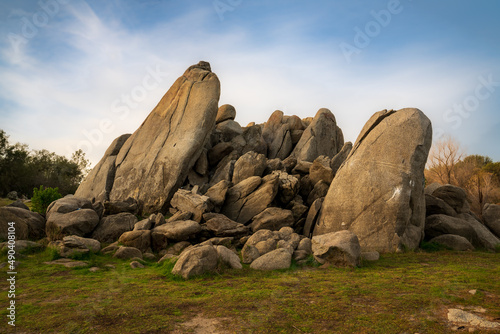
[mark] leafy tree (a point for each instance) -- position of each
(43, 197)
(494, 168)
(22, 170)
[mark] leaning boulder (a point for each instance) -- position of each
(174, 133)
(378, 192)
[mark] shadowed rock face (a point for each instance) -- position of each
(154, 161)
(378, 192)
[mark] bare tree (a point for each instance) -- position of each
(443, 158)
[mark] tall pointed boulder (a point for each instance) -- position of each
(154, 161)
(378, 192)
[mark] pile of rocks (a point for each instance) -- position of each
(451, 223)
(278, 191)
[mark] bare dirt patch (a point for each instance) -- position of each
(201, 325)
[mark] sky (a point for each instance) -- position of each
(77, 74)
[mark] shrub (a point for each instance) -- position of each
(43, 197)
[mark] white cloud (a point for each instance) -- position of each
(96, 61)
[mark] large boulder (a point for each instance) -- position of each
(196, 260)
(321, 137)
(340, 249)
(487, 239)
(454, 196)
(68, 204)
(378, 192)
(437, 225)
(174, 133)
(436, 206)
(491, 216)
(28, 225)
(70, 216)
(110, 228)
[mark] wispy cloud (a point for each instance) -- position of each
(67, 80)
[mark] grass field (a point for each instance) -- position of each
(401, 293)
(5, 201)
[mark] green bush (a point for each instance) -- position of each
(43, 197)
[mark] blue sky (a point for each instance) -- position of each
(77, 74)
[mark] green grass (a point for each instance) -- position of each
(400, 293)
(5, 201)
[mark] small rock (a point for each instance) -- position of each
(94, 269)
(136, 264)
(370, 256)
(473, 292)
(126, 253)
(277, 259)
(149, 256)
(460, 316)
